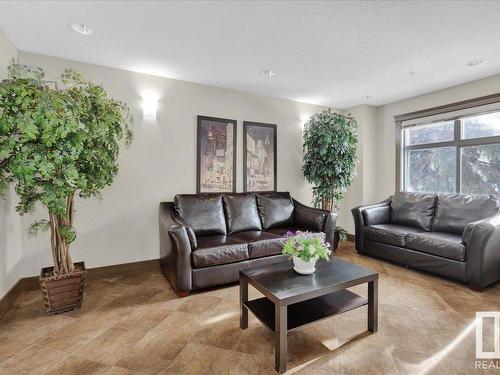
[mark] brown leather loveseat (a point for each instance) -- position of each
(206, 239)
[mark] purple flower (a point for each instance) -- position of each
(290, 233)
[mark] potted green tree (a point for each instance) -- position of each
(330, 142)
(58, 139)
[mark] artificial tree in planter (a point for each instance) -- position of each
(330, 142)
(58, 139)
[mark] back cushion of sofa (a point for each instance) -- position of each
(241, 213)
(454, 212)
(413, 209)
(275, 210)
(204, 214)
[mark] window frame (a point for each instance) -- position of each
(457, 142)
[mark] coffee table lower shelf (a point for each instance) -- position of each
(306, 312)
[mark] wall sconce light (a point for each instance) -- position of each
(149, 106)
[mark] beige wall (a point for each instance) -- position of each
(358, 192)
(384, 153)
(10, 222)
(7, 52)
(161, 162)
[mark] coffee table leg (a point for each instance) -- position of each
(281, 328)
(373, 306)
(243, 300)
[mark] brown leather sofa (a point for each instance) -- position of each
(456, 236)
(206, 239)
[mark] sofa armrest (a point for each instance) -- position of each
(190, 232)
(316, 219)
(482, 239)
(378, 213)
(175, 249)
(330, 228)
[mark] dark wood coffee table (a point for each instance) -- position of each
(292, 300)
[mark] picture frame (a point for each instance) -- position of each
(260, 169)
(216, 155)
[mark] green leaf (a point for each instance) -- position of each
(38, 227)
(68, 233)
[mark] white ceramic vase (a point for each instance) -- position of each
(304, 268)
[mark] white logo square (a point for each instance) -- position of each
(480, 316)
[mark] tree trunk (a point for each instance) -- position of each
(63, 264)
(327, 204)
(53, 243)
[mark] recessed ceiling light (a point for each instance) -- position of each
(367, 97)
(82, 29)
(268, 73)
(475, 62)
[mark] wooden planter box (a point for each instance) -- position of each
(63, 293)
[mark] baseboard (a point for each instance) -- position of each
(123, 269)
(8, 299)
(31, 283)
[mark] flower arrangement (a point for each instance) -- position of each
(306, 247)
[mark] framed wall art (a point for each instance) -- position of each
(259, 157)
(216, 155)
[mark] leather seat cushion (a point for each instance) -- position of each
(260, 244)
(391, 234)
(413, 209)
(204, 214)
(284, 230)
(275, 210)
(215, 250)
(445, 245)
(454, 212)
(241, 213)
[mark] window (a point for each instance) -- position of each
(453, 156)
(481, 126)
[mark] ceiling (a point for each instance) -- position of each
(329, 53)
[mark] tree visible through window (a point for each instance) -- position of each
(458, 156)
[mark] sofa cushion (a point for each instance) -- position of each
(445, 245)
(454, 212)
(275, 210)
(377, 215)
(292, 229)
(215, 250)
(413, 209)
(241, 213)
(204, 214)
(391, 234)
(260, 244)
(310, 218)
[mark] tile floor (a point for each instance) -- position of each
(135, 324)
